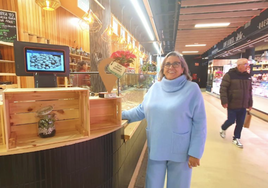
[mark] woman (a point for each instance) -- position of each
(176, 130)
(82, 79)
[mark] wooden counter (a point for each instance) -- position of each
(78, 118)
(102, 158)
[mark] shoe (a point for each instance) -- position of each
(222, 133)
(237, 142)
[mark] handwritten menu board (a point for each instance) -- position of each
(8, 26)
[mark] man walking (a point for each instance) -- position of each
(236, 96)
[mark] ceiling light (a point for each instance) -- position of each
(99, 4)
(212, 25)
(48, 4)
(189, 52)
(143, 18)
(107, 34)
(157, 48)
(194, 45)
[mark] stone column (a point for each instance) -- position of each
(99, 49)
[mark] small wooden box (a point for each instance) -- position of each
(105, 113)
(70, 105)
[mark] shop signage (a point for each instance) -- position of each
(8, 26)
(214, 51)
(250, 29)
(263, 23)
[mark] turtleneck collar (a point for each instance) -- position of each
(173, 85)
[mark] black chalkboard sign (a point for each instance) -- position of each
(8, 26)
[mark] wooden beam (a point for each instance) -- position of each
(219, 15)
(189, 3)
(224, 8)
(240, 21)
(210, 30)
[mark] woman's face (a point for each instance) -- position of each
(85, 67)
(172, 68)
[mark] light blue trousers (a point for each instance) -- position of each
(178, 174)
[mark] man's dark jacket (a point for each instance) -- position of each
(236, 89)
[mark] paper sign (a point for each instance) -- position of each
(116, 69)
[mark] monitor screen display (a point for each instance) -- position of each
(38, 58)
(44, 60)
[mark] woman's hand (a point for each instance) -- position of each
(193, 162)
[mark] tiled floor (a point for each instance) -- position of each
(223, 164)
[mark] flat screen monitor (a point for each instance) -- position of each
(44, 60)
(38, 58)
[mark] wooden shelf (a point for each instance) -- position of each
(62, 85)
(26, 142)
(4, 86)
(6, 43)
(7, 74)
(75, 55)
(6, 61)
(86, 58)
(80, 56)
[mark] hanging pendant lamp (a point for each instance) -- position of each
(49, 5)
(93, 21)
(107, 34)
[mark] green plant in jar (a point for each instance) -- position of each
(46, 126)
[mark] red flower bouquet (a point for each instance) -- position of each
(123, 57)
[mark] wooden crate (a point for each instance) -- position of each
(71, 107)
(105, 113)
(2, 126)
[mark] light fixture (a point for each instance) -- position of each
(136, 51)
(107, 34)
(99, 4)
(89, 17)
(93, 21)
(122, 40)
(83, 25)
(129, 46)
(194, 45)
(212, 25)
(48, 4)
(189, 52)
(157, 48)
(143, 18)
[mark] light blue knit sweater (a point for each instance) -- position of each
(175, 113)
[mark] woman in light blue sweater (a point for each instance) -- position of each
(176, 130)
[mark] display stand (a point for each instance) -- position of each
(45, 80)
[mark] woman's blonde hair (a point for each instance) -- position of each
(183, 65)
